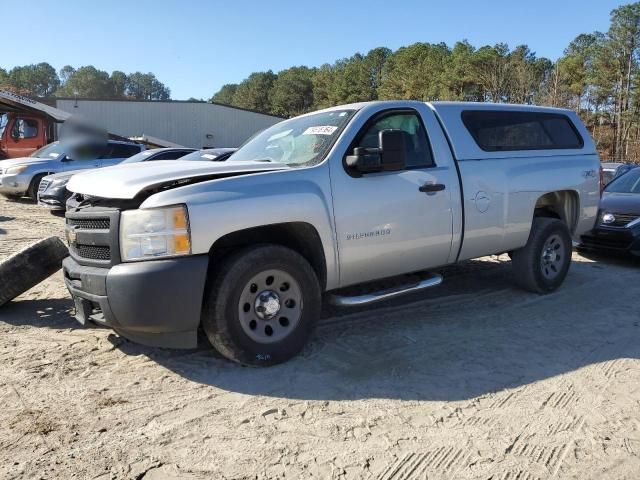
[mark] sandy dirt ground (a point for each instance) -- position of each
(472, 380)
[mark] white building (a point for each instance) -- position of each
(191, 124)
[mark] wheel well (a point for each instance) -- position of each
(562, 205)
(299, 236)
(35, 181)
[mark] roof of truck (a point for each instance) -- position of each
(439, 105)
(464, 146)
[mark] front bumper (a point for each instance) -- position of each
(156, 303)
(53, 199)
(14, 184)
(615, 240)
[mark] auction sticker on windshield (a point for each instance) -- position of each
(320, 130)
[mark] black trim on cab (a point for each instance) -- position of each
(459, 174)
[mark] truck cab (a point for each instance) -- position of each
(21, 134)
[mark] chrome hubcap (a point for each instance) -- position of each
(270, 306)
(553, 257)
(267, 305)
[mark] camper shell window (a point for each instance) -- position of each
(502, 130)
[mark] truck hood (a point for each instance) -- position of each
(628, 203)
(127, 181)
(64, 175)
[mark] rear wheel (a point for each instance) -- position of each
(542, 264)
(262, 305)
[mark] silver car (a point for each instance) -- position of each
(53, 194)
(21, 176)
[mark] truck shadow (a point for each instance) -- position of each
(475, 335)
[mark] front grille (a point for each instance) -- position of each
(92, 234)
(622, 219)
(43, 185)
(93, 252)
(90, 223)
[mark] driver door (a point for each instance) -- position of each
(24, 136)
(385, 224)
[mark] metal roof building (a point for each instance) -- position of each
(191, 124)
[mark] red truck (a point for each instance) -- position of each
(21, 134)
(26, 125)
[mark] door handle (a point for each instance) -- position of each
(432, 187)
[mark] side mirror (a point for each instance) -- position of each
(66, 158)
(388, 157)
(393, 149)
(365, 160)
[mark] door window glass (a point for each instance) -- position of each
(24, 128)
(4, 119)
(121, 150)
(418, 151)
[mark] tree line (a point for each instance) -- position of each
(42, 80)
(597, 76)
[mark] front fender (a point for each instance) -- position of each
(223, 206)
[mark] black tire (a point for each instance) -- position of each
(532, 270)
(221, 318)
(32, 191)
(30, 266)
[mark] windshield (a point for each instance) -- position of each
(53, 150)
(301, 141)
(626, 183)
(139, 157)
(4, 119)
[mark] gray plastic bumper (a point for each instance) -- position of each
(155, 303)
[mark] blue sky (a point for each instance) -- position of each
(194, 47)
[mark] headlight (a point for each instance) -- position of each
(15, 170)
(60, 183)
(608, 218)
(154, 233)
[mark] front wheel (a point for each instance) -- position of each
(262, 305)
(543, 263)
(32, 191)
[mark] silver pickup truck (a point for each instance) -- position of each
(247, 249)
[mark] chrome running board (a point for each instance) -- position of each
(374, 297)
